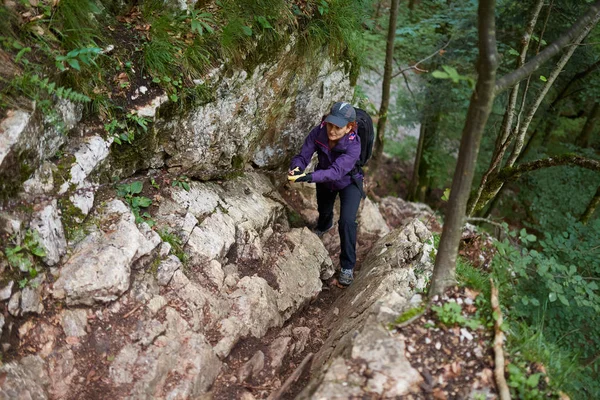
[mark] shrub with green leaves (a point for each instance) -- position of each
(450, 314)
(125, 130)
(130, 192)
(24, 255)
(552, 283)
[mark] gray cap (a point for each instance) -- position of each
(341, 114)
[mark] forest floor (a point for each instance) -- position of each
(453, 361)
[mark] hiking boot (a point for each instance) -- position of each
(346, 277)
(320, 233)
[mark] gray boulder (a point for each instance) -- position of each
(100, 266)
(25, 379)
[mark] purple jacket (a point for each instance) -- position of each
(334, 164)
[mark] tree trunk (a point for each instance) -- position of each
(583, 140)
(428, 139)
(505, 138)
(591, 208)
(387, 81)
(480, 107)
(414, 181)
(430, 142)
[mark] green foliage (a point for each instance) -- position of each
(551, 284)
(524, 386)
(74, 22)
(24, 255)
(85, 55)
(452, 74)
(182, 182)
(52, 88)
(333, 25)
(554, 196)
(450, 314)
(201, 21)
(175, 242)
(125, 130)
(408, 314)
(130, 192)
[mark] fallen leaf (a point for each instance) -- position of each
(72, 340)
(456, 368)
(439, 394)
(472, 294)
(487, 377)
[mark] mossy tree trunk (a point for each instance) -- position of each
(387, 81)
(480, 107)
(591, 208)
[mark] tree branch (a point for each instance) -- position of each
(553, 49)
(415, 66)
(512, 173)
(520, 138)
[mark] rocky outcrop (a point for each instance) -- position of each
(100, 267)
(165, 326)
(28, 138)
(361, 357)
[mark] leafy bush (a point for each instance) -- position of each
(24, 255)
(450, 314)
(552, 284)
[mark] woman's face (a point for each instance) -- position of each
(336, 133)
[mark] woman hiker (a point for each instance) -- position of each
(338, 148)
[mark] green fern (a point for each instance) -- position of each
(59, 91)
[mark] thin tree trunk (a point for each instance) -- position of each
(550, 51)
(480, 107)
(503, 140)
(583, 140)
(378, 10)
(430, 141)
(387, 81)
(591, 208)
(414, 181)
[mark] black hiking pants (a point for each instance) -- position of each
(350, 197)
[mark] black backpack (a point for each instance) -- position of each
(366, 134)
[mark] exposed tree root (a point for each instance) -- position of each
(498, 351)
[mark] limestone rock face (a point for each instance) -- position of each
(88, 154)
(28, 139)
(179, 363)
(370, 219)
(394, 268)
(100, 266)
(49, 226)
(396, 210)
(25, 379)
(251, 118)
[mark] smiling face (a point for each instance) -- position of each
(335, 133)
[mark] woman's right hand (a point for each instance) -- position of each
(294, 171)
